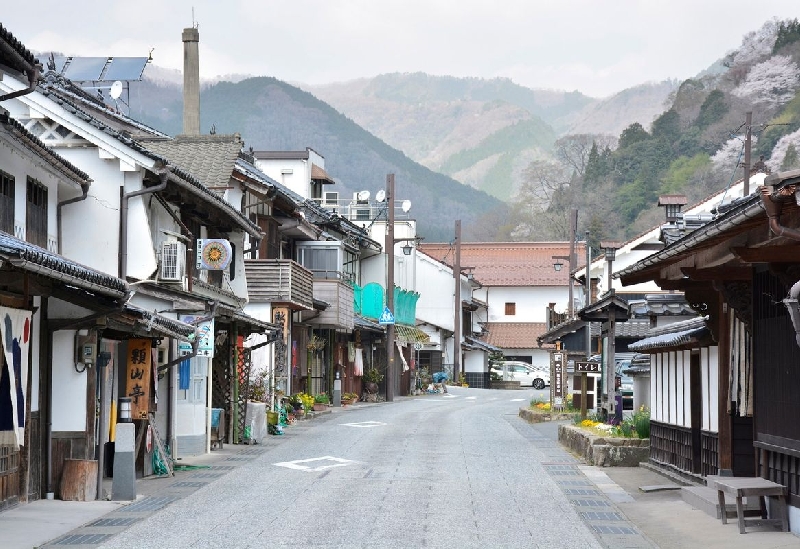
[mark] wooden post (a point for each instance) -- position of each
(584, 380)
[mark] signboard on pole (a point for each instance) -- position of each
(386, 317)
(587, 367)
(206, 343)
(558, 370)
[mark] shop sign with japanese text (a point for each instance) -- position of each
(137, 380)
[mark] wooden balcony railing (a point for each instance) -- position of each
(280, 281)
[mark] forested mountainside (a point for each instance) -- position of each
(273, 115)
(542, 152)
(483, 132)
(694, 147)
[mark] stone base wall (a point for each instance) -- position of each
(537, 416)
(604, 451)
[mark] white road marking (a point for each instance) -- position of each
(449, 396)
(471, 398)
(298, 464)
(517, 400)
(365, 424)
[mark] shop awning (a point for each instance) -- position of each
(410, 334)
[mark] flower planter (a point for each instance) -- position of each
(319, 407)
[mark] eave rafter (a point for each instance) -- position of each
(788, 253)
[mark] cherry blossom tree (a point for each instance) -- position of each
(774, 81)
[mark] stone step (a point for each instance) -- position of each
(705, 499)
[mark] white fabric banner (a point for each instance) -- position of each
(358, 363)
(15, 334)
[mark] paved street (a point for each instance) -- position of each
(456, 470)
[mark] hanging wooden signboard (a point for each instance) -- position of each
(137, 380)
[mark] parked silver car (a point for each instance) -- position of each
(526, 374)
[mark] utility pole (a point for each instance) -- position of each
(573, 227)
(748, 125)
(588, 300)
(457, 315)
(390, 375)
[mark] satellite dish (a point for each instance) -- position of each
(363, 196)
(406, 206)
(116, 90)
(380, 196)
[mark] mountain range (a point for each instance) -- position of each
(465, 148)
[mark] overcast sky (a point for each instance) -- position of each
(597, 47)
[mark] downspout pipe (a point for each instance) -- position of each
(84, 196)
(123, 220)
(33, 80)
(773, 204)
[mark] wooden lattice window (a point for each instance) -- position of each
(511, 309)
(36, 214)
(6, 202)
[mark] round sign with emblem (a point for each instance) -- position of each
(417, 346)
(148, 439)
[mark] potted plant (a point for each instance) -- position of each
(349, 398)
(371, 378)
(321, 402)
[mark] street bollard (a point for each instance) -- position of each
(337, 390)
(123, 487)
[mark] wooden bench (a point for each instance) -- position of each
(740, 487)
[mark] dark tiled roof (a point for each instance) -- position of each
(210, 158)
(510, 263)
(33, 258)
(671, 335)
(633, 328)
(35, 145)
(15, 55)
(90, 107)
(479, 344)
(154, 322)
(249, 170)
(365, 324)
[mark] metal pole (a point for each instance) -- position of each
(390, 381)
(588, 300)
(457, 312)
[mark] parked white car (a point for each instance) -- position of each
(527, 375)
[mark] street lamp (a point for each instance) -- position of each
(557, 266)
(610, 248)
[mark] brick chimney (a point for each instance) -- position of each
(191, 82)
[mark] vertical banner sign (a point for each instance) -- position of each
(557, 375)
(138, 377)
(15, 334)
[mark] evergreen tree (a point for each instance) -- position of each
(634, 133)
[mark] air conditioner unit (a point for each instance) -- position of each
(173, 260)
